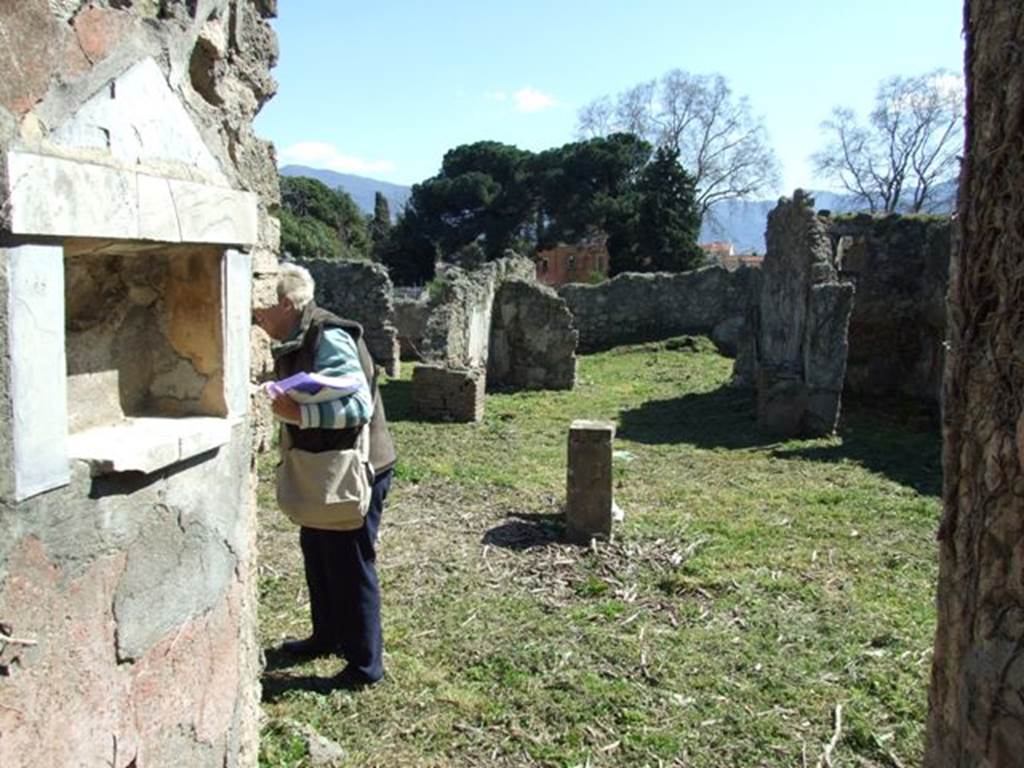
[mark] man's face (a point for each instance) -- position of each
(278, 320)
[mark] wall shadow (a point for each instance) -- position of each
(898, 439)
(722, 418)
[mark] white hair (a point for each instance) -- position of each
(295, 284)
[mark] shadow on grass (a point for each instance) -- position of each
(894, 439)
(527, 530)
(275, 686)
(722, 418)
(277, 659)
(397, 397)
(897, 439)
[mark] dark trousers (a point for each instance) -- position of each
(344, 594)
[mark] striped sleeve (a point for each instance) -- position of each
(337, 356)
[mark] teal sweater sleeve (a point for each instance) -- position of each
(337, 355)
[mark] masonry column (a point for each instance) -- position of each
(589, 493)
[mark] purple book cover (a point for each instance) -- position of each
(311, 383)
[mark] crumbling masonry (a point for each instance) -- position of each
(134, 203)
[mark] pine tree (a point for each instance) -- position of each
(380, 224)
(668, 219)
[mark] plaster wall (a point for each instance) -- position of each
(134, 591)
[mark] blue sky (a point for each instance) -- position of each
(383, 89)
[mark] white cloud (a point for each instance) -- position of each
(318, 154)
(496, 96)
(531, 100)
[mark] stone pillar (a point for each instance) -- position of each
(237, 286)
(801, 324)
(588, 510)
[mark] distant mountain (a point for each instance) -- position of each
(360, 188)
(741, 222)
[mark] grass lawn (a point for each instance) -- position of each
(754, 588)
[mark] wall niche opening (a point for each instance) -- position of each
(144, 342)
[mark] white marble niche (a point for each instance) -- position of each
(98, 192)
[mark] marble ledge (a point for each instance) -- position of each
(147, 444)
(58, 197)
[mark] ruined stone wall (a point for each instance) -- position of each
(360, 291)
(900, 266)
(459, 326)
(637, 306)
(412, 311)
(800, 324)
(533, 341)
(137, 590)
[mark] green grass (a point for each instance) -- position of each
(754, 586)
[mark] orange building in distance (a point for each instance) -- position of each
(580, 263)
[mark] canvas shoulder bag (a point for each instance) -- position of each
(330, 490)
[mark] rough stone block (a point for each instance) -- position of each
(588, 510)
(411, 314)
(822, 415)
(458, 329)
(455, 394)
(801, 324)
(825, 350)
(32, 40)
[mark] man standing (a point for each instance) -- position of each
(344, 593)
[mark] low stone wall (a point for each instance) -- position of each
(448, 394)
(636, 306)
(533, 341)
(458, 329)
(360, 291)
(900, 266)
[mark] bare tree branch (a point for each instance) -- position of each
(719, 142)
(908, 149)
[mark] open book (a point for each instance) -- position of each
(314, 387)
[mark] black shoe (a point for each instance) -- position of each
(348, 679)
(310, 647)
